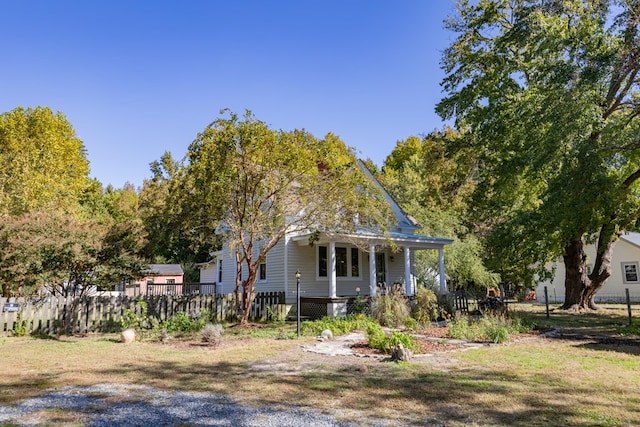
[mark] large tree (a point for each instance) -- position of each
(44, 163)
(262, 183)
(59, 254)
(433, 182)
(172, 216)
(547, 93)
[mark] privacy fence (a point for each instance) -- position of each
(79, 315)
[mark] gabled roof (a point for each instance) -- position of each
(403, 232)
(164, 270)
(631, 237)
(404, 221)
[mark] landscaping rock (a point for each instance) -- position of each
(128, 335)
(326, 335)
(399, 353)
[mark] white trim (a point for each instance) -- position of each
(349, 277)
(634, 264)
(407, 271)
(443, 280)
(332, 270)
(373, 285)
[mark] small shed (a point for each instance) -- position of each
(158, 279)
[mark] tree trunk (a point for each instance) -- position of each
(236, 291)
(248, 294)
(580, 285)
(6, 290)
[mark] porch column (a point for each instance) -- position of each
(373, 286)
(332, 269)
(407, 271)
(443, 281)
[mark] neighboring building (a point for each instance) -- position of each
(625, 273)
(334, 267)
(159, 279)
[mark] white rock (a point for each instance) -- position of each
(128, 335)
(326, 334)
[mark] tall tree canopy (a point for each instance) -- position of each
(44, 163)
(173, 218)
(262, 183)
(434, 183)
(59, 230)
(547, 94)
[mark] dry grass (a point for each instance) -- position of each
(586, 377)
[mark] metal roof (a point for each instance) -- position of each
(164, 270)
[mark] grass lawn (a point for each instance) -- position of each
(583, 375)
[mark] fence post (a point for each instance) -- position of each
(546, 300)
(626, 291)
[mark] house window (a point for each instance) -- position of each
(342, 267)
(630, 272)
(322, 261)
(347, 261)
(355, 262)
(262, 271)
(219, 271)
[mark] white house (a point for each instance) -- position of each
(625, 273)
(334, 267)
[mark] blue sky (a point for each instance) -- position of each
(138, 78)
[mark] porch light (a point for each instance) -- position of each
(298, 274)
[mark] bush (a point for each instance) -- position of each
(489, 327)
(391, 309)
(181, 322)
(379, 340)
(337, 325)
(20, 327)
(212, 334)
(136, 318)
(426, 306)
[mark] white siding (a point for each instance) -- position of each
(614, 288)
(208, 273)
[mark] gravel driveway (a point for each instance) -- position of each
(134, 405)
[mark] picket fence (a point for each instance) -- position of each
(73, 315)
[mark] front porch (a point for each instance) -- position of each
(336, 268)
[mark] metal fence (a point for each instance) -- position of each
(188, 288)
(78, 315)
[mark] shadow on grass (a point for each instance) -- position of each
(405, 393)
(597, 330)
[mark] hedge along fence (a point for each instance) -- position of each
(79, 315)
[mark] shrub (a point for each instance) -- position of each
(426, 306)
(20, 327)
(136, 318)
(181, 322)
(212, 334)
(411, 323)
(489, 327)
(376, 336)
(391, 309)
(359, 306)
(379, 340)
(337, 325)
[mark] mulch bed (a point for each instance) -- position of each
(428, 340)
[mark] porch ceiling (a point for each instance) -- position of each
(412, 241)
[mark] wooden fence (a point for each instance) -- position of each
(73, 315)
